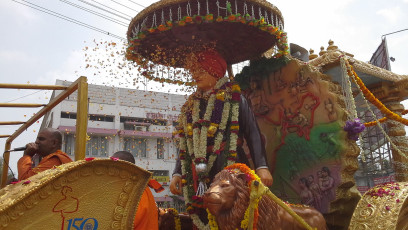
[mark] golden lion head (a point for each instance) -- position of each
(227, 197)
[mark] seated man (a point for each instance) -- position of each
(147, 213)
(48, 146)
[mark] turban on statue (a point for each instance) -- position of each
(212, 62)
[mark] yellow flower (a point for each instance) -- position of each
(189, 129)
(220, 95)
(212, 129)
(236, 88)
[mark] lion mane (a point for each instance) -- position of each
(231, 218)
(271, 215)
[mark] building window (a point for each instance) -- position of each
(68, 145)
(137, 146)
(91, 117)
(160, 148)
(101, 118)
(161, 122)
(68, 115)
(97, 146)
(136, 127)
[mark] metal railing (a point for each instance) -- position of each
(81, 123)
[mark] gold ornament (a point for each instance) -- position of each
(212, 129)
(190, 129)
(220, 95)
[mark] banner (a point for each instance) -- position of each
(380, 57)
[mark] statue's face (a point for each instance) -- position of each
(204, 80)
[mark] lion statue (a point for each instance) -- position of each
(229, 196)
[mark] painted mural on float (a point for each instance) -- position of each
(298, 114)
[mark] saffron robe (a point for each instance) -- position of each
(25, 169)
(147, 216)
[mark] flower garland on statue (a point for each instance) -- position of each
(201, 135)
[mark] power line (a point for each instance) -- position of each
(23, 96)
(137, 3)
(55, 14)
(95, 13)
(393, 32)
(124, 5)
(130, 17)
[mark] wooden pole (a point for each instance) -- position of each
(6, 159)
(21, 105)
(28, 86)
(82, 119)
(11, 122)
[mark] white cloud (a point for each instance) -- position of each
(390, 14)
(19, 13)
(11, 56)
(67, 70)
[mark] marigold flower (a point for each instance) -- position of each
(162, 28)
(188, 19)
(231, 18)
(209, 17)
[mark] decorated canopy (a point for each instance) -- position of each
(165, 32)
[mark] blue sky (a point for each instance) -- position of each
(39, 48)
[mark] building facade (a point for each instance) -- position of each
(137, 121)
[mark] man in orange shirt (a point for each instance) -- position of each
(48, 146)
(147, 216)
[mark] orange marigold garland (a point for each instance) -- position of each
(372, 123)
(245, 169)
(371, 98)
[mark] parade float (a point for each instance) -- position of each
(305, 107)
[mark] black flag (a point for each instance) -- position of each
(380, 57)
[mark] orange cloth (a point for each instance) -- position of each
(147, 216)
(48, 162)
(155, 185)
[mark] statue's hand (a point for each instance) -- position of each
(175, 185)
(265, 176)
